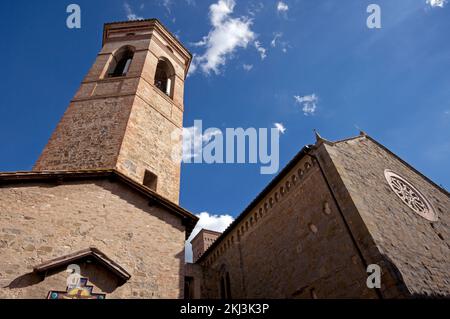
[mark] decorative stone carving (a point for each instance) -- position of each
(410, 195)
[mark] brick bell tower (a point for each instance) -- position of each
(127, 107)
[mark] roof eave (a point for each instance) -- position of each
(91, 252)
(303, 152)
(188, 219)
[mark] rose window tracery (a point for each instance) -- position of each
(412, 197)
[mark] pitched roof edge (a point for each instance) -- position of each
(364, 135)
(303, 152)
(90, 252)
(189, 220)
(443, 190)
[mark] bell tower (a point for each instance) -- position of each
(127, 107)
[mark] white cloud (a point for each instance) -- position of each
(280, 127)
(130, 13)
(193, 66)
(282, 7)
(276, 42)
(447, 112)
(254, 9)
(167, 4)
(206, 221)
(277, 35)
(247, 67)
(220, 11)
(227, 34)
(194, 140)
(437, 3)
(308, 103)
(262, 51)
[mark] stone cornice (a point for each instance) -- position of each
(144, 25)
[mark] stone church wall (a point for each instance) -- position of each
(150, 147)
(415, 250)
(41, 222)
(125, 123)
(293, 245)
(88, 136)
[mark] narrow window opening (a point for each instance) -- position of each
(121, 62)
(228, 285)
(164, 77)
(189, 288)
(222, 288)
(225, 286)
(150, 180)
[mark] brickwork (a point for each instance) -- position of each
(202, 241)
(40, 222)
(126, 122)
(314, 233)
(409, 246)
(310, 234)
(293, 245)
(88, 136)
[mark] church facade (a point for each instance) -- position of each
(334, 210)
(104, 193)
(98, 216)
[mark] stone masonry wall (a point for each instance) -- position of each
(148, 145)
(124, 123)
(294, 245)
(40, 222)
(417, 249)
(88, 136)
(90, 133)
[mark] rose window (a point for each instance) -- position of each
(410, 195)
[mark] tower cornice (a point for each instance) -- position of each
(143, 29)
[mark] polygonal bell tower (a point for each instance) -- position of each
(127, 108)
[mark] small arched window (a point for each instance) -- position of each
(228, 285)
(164, 77)
(225, 286)
(121, 62)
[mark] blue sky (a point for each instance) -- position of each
(391, 82)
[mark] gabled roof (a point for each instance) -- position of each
(92, 254)
(189, 220)
(364, 135)
(303, 152)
